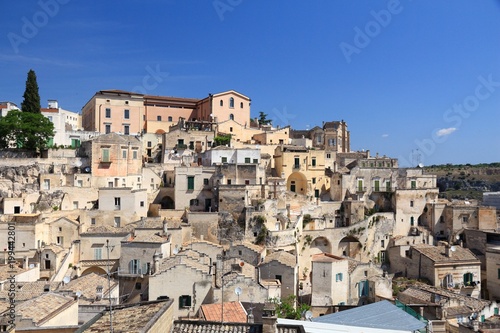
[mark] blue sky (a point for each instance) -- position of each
(414, 80)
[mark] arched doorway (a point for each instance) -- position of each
(297, 183)
(167, 203)
(350, 246)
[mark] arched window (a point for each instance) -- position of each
(221, 102)
(231, 116)
(169, 118)
(241, 105)
(231, 102)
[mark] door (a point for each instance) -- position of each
(377, 185)
(208, 205)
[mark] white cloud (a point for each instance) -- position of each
(445, 131)
(385, 135)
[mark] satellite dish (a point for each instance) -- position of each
(211, 115)
(420, 165)
(78, 163)
(453, 248)
(237, 291)
(31, 266)
(308, 315)
(176, 250)
(457, 237)
(78, 294)
(66, 279)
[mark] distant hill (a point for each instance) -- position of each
(462, 181)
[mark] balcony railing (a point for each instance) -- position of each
(383, 188)
(180, 146)
(361, 189)
(296, 166)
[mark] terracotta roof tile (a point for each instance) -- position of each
(233, 312)
(186, 326)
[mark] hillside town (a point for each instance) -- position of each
(153, 213)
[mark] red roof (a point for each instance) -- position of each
(233, 312)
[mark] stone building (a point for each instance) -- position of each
(451, 267)
(304, 170)
(281, 266)
(116, 160)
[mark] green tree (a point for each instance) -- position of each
(222, 140)
(25, 130)
(31, 102)
(285, 308)
(263, 119)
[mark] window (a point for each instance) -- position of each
(124, 153)
(230, 129)
(75, 204)
(363, 288)
(231, 102)
(255, 160)
(465, 219)
(108, 113)
(138, 286)
(141, 204)
(190, 182)
(296, 163)
(149, 144)
(314, 180)
(468, 279)
(108, 129)
(126, 114)
(126, 129)
(169, 118)
(331, 142)
(316, 193)
(205, 181)
(231, 116)
(413, 184)
(105, 155)
(313, 161)
(117, 203)
(98, 253)
(448, 281)
(221, 103)
(193, 202)
(328, 155)
(185, 300)
(498, 273)
(223, 159)
(92, 221)
(134, 266)
(412, 221)
(247, 182)
(338, 277)
(411, 203)
(229, 182)
(279, 278)
(241, 105)
(117, 221)
(59, 240)
(158, 118)
(247, 159)
(46, 184)
(134, 154)
(382, 243)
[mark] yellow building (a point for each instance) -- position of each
(303, 169)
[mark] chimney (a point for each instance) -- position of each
(269, 319)
(165, 226)
(156, 263)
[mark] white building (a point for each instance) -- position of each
(5, 107)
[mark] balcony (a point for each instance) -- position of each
(180, 146)
(361, 189)
(296, 167)
(383, 189)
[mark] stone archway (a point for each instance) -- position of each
(297, 183)
(350, 246)
(167, 203)
(94, 269)
(320, 245)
